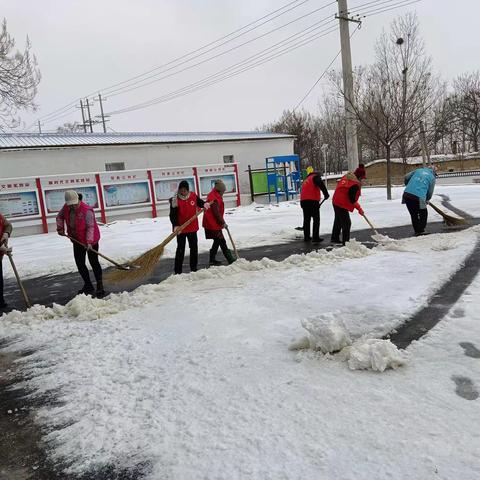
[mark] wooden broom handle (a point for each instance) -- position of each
(20, 284)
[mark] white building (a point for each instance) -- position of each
(35, 169)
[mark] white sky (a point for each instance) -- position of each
(86, 45)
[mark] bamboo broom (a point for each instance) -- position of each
(449, 219)
(144, 265)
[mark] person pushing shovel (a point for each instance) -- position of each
(5, 232)
(82, 227)
(420, 185)
(345, 200)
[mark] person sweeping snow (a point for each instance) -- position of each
(214, 223)
(420, 185)
(183, 206)
(310, 196)
(345, 200)
(5, 232)
(82, 226)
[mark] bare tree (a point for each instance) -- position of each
(74, 127)
(19, 78)
(466, 101)
(388, 105)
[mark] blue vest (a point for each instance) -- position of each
(421, 182)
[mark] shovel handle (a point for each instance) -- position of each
(371, 224)
(20, 284)
(233, 243)
(118, 265)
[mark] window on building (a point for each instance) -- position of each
(228, 159)
(110, 167)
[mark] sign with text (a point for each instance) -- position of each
(165, 189)
(126, 194)
(20, 204)
(208, 182)
(179, 172)
(55, 199)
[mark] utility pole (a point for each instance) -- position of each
(39, 127)
(84, 125)
(90, 123)
(425, 153)
(350, 117)
(100, 100)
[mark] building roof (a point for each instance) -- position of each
(45, 140)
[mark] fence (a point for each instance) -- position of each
(32, 203)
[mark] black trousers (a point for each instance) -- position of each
(2, 300)
(418, 215)
(180, 253)
(222, 243)
(341, 224)
(80, 254)
(311, 210)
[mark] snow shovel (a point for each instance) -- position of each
(113, 262)
(142, 267)
(370, 224)
(301, 228)
(232, 242)
(19, 281)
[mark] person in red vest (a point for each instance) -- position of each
(82, 226)
(345, 200)
(5, 232)
(214, 223)
(183, 206)
(310, 196)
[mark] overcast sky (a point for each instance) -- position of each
(83, 46)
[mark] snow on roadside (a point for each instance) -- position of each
(193, 376)
(253, 225)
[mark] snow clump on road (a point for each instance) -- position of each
(374, 354)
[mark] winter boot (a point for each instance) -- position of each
(317, 240)
(3, 305)
(100, 293)
(213, 262)
(86, 290)
(230, 257)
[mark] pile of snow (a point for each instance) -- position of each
(374, 354)
(327, 334)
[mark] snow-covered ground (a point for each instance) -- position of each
(193, 378)
(251, 226)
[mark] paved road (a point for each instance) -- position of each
(62, 288)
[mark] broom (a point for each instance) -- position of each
(143, 265)
(449, 219)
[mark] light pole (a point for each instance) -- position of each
(325, 151)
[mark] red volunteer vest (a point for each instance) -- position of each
(309, 190)
(186, 210)
(340, 197)
(80, 223)
(209, 220)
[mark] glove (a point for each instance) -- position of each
(206, 205)
(4, 239)
(89, 247)
(359, 209)
(61, 233)
(174, 202)
(4, 249)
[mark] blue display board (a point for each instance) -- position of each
(165, 189)
(208, 182)
(19, 204)
(55, 199)
(126, 194)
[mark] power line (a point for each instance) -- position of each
(71, 105)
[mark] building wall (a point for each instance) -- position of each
(52, 161)
(377, 172)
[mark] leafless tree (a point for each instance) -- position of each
(74, 127)
(466, 101)
(396, 92)
(19, 78)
